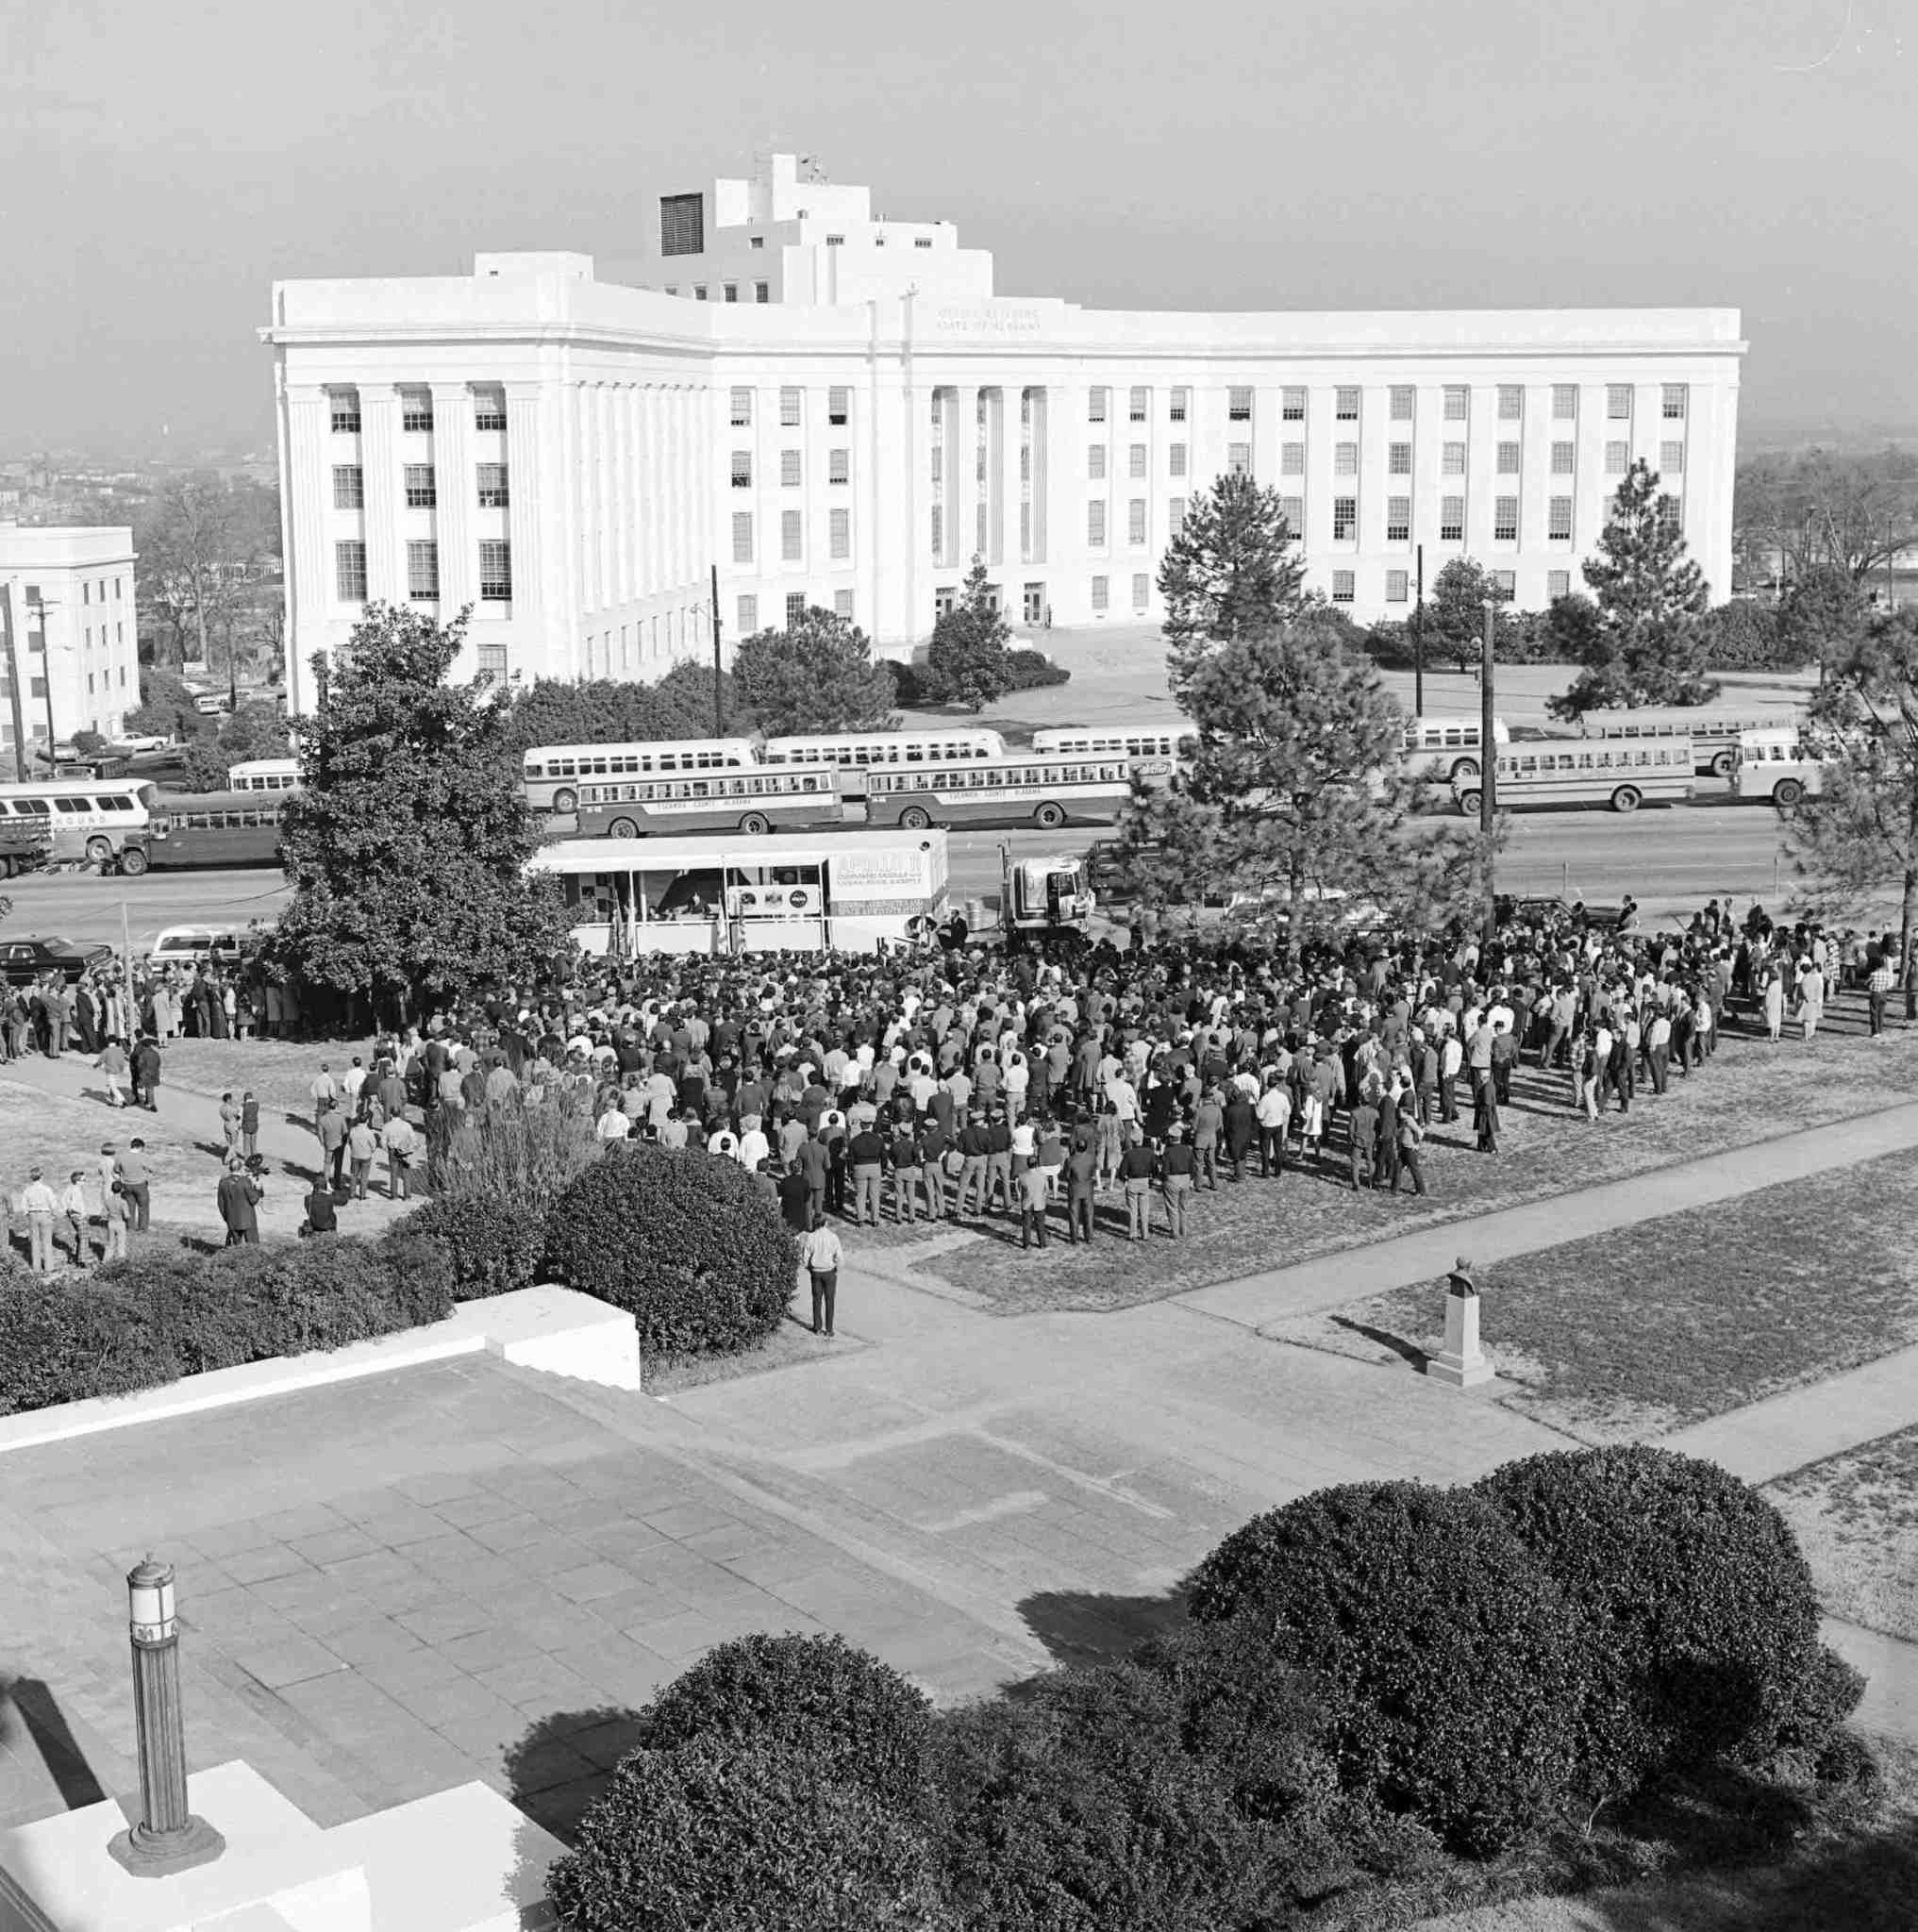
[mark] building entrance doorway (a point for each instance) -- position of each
(1035, 603)
(944, 600)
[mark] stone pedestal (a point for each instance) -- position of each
(1461, 1363)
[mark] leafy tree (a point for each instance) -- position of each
(1823, 508)
(966, 664)
(610, 711)
(1233, 568)
(165, 707)
(254, 731)
(1571, 628)
(406, 846)
(1821, 613)
(1455, 615)
(90, 744)
(1858, 835)
(817, 674)
(688, 688)
(1649, 646)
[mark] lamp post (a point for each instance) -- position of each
(168, 1838)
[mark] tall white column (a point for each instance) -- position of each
(379, 421)
(455, 484)
(309, 554)
(535, 654)
(625, 493)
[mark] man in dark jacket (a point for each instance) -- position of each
(239, 1196)
(1242, 1130)
(146, 1072)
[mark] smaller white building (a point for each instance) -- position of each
(74, 662)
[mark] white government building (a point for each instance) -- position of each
(835, 409)
(68, 592)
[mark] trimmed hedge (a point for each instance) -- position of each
(683, 1242)
(164, 1314)
(728, 1835)
(494, 1244)
(1456, 1664)
(1029, 670)
(855, 1716)
(1703, 1619)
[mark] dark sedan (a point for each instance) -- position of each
(27, 960)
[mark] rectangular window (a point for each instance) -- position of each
(732, 291)
(1239, 404)
(1558, 583)
(1096, 523)
(1564, 459)
(1397, 585)
(1618, 401)
(1239, 459)
(743, 537)
(493, 493)
(789, 533)
(1617, 458)
(1506, 583)
(1453, 459)
(349, 571)
(795, 609)
(1671, 405)
(1138, 403)
(1096, 405)
(1142, 591)
(1135, 521)
(762, 292)
(1558, 530)
(789, 469)
(1451, 520)
(416, 409)
(938, 533)
(1508, 459)
(344, 408)
(422, 571)
(1346, 459)
(1669, 516)
(1174, 516)
(742, 407)
(1564, 402)
(1343, 586)
(1457, 398)
(842, 526)
(420, 491)
(488, 407)
(839, 406)
(1398, 519)
(1292, 459)
(682, 224)
(748, 616)
(1344, 519)
(1136, 465)
(1505, 520)
(1512, 402)
(1400, 460)
(1345, 405)
(495, 570)
(1177, 459)
(1402, 403)
(1095, 461)
(742, 468)
(1180, 399)
(1292, 508)
(842, 605)
(1292, 406)
(839, 465)
(789, 408)
(1671, 458)
(493, 659)
(1101, 592)
(349, 487)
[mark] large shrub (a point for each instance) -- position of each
(495, 1242)
(855, 1716)
(726, 1835)
(162, 1314)
(683, 1242)
(1452, 1659)
(1029, 670)
(1702, 1620)
(1080, 1810)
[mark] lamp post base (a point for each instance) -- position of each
(160, 1854)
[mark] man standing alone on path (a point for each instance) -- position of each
(332, 1126)
(324, 1088)
(146, 1072)
(821, 1253)
(239, 1198)
(130, 1171)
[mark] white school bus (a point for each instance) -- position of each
(1622, 775)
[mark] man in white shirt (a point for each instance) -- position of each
(820, 1255)
(40, 1203)
(613, 1124)
(401, 1143)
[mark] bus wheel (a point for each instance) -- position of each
(622, 829)
(1465, 772)
(1725, 764)
(1625, 799)
(916, 818)
(1468, 804)
(100, 851)
(1786, 792)
(132, 862)
(1050, 815)
(565, 800)
(755, 825)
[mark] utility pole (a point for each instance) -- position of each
(13, 680)
(1419, 641)
(1487, 770)
(718, 674)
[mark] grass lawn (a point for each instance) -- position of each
(1649, 1329)
(791, 1343)
(1749, 1092)
(279, 1072)
(1855, 1516)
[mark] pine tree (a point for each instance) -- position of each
(817, 674)
(1233, 570)
(1454, 616)
(1649, 644)
(406, 846)
(967, 662)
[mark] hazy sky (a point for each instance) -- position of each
(160, 166)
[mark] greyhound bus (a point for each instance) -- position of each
(723, 894)
(551, 774)
(104, 821)
(1622, 775)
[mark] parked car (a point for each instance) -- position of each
(187, 945)
(25, 960)
(140, 741)
(210, 704)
